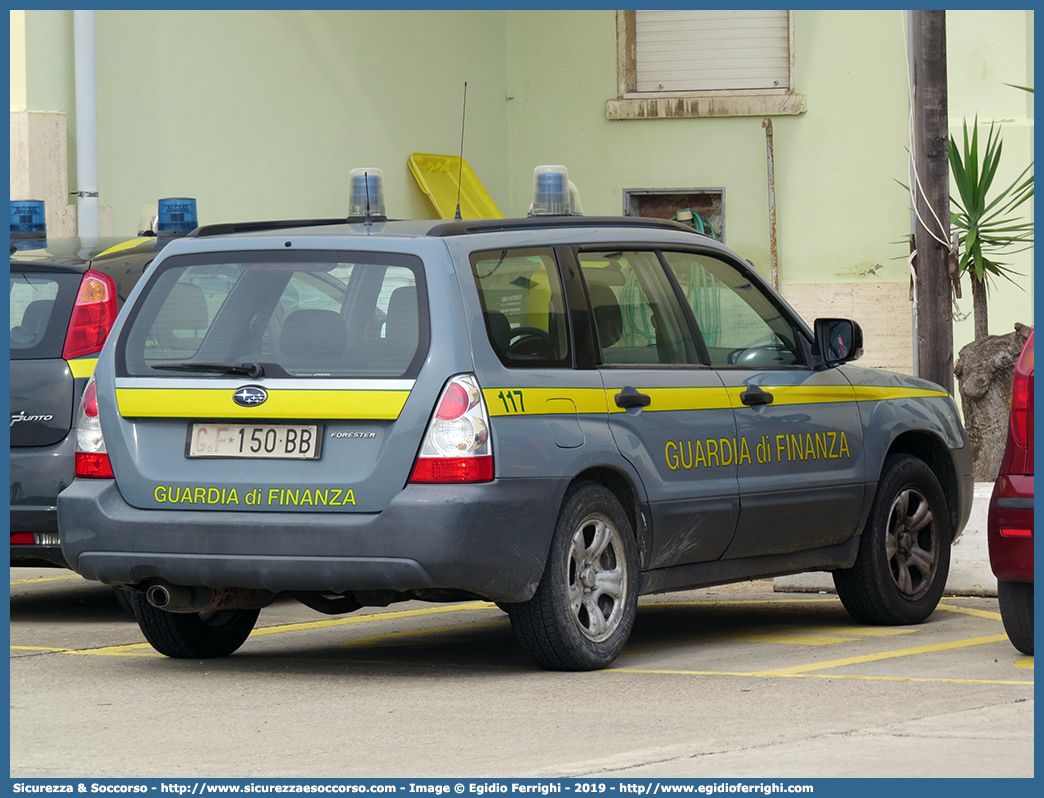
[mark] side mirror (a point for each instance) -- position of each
(838, 341)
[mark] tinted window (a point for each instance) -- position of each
(319, 318)
(40, 305)
(523, 306)
(740, 324)
(638, 318)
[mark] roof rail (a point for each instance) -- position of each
(225, 228)
(533, 222)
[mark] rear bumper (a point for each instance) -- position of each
(490, 539)
(38, 474)
(1011, 509)
(25, 555)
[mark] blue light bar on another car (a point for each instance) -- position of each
(28, 224)
(176, 215)
(27, 216)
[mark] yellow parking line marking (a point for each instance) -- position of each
(662, 672)
(144, 649)
(734, 602)
(790, 639)
(42, 648)
(415, 632)
(379, 616)
(882, 655)
(44, 579)
(993, 616)
(139, 649)
(860, 631)
(1024, 662)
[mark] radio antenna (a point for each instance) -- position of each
(366, 184)
(460, 166)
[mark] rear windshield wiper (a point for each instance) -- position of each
(252, 370)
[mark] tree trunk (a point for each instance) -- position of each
(931, 149)
(979, 313)
(985, 372)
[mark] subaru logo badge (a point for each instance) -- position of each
(250, 396)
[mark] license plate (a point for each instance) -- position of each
(271, 441)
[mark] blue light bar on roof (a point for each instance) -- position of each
(176, 215)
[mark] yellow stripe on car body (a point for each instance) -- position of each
(674, 399)
(82, 367)
(287, 403)
(533, 401)
(131, 244)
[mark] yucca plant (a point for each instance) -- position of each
(986, 225)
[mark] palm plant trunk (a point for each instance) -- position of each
(979, 313)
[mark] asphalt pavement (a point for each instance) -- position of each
(735, 681)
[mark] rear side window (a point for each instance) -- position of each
(40, 305)
(324, 315)
(523, 306)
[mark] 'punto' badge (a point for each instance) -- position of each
(250, 396)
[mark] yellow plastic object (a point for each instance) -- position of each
(437, 177)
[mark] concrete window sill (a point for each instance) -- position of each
(704, 104)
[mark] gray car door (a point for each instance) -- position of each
(804, 485)
(669, 414)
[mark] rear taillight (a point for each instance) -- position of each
(35, 539)
(456, 445)
(1022, 397)
(92, 316)
(92, 459)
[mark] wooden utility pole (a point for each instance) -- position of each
(931, 147)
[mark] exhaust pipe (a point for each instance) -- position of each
(176, 598)
(169, 597)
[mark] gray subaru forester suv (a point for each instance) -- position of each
(555, 413)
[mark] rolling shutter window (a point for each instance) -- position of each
(712, 50)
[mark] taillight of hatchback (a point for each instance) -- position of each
(92, 316)
(1018, 457)
(92, 458)
(456, 445)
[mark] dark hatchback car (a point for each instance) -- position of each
(64, 297)
(1010, 521)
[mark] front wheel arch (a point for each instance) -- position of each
(934, 453)
(903, 557)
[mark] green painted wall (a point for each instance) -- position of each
(984, 51)
(262, 114)
(837, 206)
(49, 62)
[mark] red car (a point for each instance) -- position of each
(1010, 525)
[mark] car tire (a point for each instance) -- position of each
(1016, 609)
(196, 635)
(123, 599)
(584, 607)
(904, 551)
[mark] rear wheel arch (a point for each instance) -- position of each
(625, 491)
(934, 453)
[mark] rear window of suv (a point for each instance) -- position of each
(317, 315)
(40, 305)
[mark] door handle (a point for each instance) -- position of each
(754, 396)
(629, 397)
